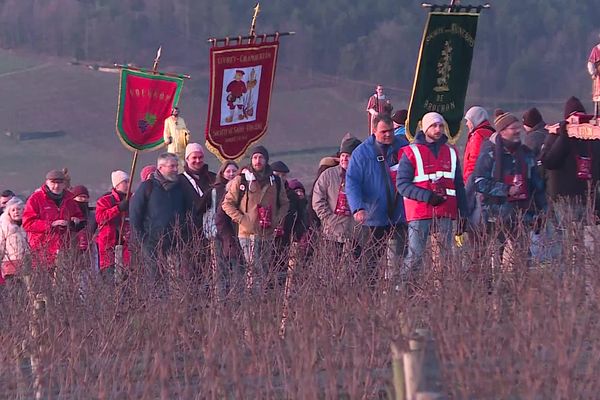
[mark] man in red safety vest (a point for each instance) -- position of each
(430, 180)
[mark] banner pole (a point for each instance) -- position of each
(135, 157)
(252, 33)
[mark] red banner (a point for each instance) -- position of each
(241, 80)
(145, 101)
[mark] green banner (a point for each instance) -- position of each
(443, 70)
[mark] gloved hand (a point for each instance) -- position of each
(436, 199)
(562, 128)
(170, 140)
(124, 205)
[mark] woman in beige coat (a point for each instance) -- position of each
(13, 239)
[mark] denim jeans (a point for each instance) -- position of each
(418, 233)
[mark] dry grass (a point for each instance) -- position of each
(529, 333)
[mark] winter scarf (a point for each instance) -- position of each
(56, 198)
(164, 182)
(515, 149)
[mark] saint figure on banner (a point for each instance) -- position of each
(240, 95)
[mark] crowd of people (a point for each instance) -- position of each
(381, 200)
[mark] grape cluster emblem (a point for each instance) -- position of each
(147, 123)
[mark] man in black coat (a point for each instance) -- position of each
(565, 158)
(158, 209)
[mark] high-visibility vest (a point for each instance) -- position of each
(435, 174)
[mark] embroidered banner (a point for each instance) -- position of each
(145, 101)
(241, 81)
(443, 70)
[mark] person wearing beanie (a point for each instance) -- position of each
(571, 163)
(82, 196)
(197, 181)
(372, 197)
(330, 203)
(399, 119)
(535, 130)
(157, 210)
(512, 190)
(257, 202)
(13, 239)
(281, 170)
(146, 172)
(176, 136)
(112, 218)
(51, 219)
(431, 182)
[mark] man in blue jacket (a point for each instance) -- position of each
(372, 196)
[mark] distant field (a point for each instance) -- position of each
(11, 62)
(44, 94)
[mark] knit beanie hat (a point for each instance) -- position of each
(261, 150)
(430, 119)
(504, 120)
(477, 115)
(79, 190)
(279, 166)
(532, 117)
(294, 184)
(498, 112)
(573, 105)
(193, 148)
(147, 171)
(117, 177)
(349, 145)
(399, 117)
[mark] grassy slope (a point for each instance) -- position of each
(49, 94)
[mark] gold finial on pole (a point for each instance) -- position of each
(157, 60)
(253, 26)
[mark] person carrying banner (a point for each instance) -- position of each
(256, 200)
(51, 219)
(571, 164)
(372, 196)
(112, 216)
(506, 175)
(176, 135)
(430, 180)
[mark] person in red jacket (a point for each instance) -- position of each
(51, 219)
(111, 210)
(480, 129)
